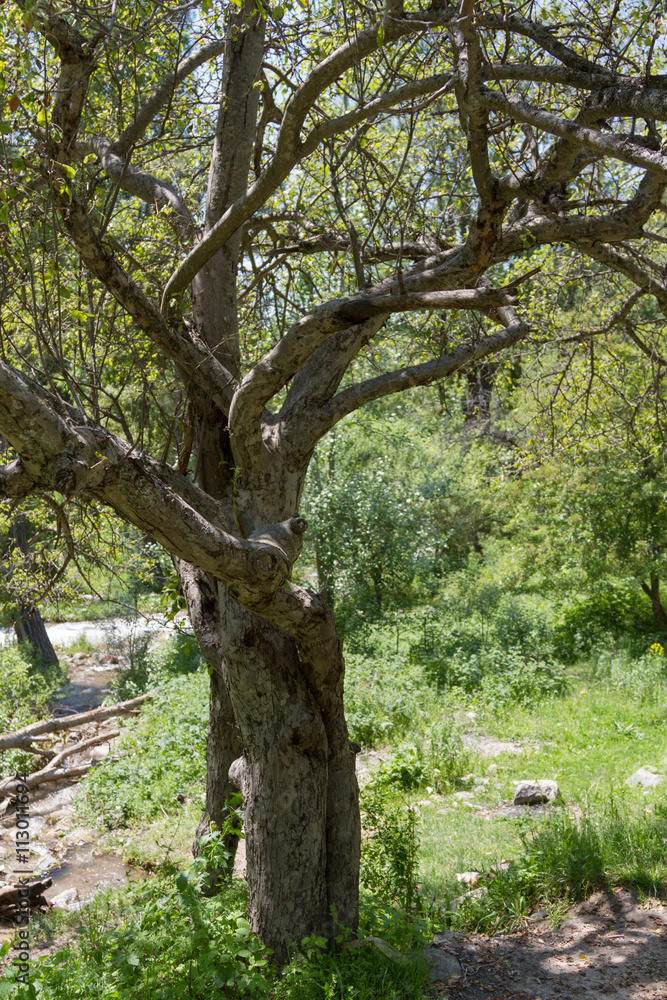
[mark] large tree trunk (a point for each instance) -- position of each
(659, 614)
(298, 784)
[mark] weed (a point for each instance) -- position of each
(160, 757)
(390, 849)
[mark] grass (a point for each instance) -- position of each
(599, 721)
(590, 741)
(160, 757)
(161, 940)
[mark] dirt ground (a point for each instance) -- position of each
(612, 945)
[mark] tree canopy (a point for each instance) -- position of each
(225, 228)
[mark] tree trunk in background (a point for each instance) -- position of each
(30, 629)
(479, 379)
(28, 623)
(659, 614)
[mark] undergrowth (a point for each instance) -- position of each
(565, 859)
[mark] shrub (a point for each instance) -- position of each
(153, 664)
(24, 693)
(161, 755)
(390, 847)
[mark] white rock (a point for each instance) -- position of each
(63, 899)
(468, 878)
(463, 795)
(645, 778)
(481, 782)
(531, 793)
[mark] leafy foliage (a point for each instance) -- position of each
(158, 759)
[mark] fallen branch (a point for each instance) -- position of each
(12, 894)
(10, 785)
(78, 747)
(51, 772)
(22, 738)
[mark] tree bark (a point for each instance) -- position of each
(283, 779)
(28, 623)
(223, 741)
(653, 593)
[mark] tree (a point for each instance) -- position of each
(28, 622)
(174, 347)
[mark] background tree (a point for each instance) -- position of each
(207, 267)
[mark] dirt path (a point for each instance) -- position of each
(612, 945)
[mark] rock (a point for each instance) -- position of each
(501, 866)
(442, 937)
(79, 835)
(532, 793)
(12, 894)
(445, 967)
(45, 863)
(58, 816)
(492, 769)
(481, 782)
(473, 894)
(99, 752)
(645, 778)
(63, 899)
(107, 658)
(538, 915)
(463, 795)
(468, 878)
(80, 657)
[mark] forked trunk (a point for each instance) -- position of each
(659, 614)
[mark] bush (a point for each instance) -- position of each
(611, 609)
(161, 755)
(152, 665)
(24, 693)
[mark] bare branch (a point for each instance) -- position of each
(604, 144)
(299, 343)
(407, 378)
(185, 67)
(289, 147)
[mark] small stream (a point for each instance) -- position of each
(59, 848)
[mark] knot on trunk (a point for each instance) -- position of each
(278, 546)
(69, 475)
(238, 775)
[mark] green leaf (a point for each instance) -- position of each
(381, 34)
(42, 116)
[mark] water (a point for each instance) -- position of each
(101, 633)
(90, 873)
